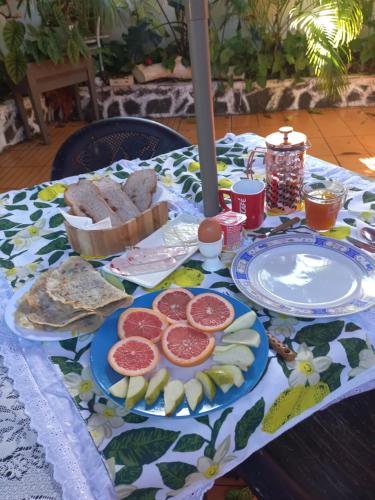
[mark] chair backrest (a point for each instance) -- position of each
(101, 143)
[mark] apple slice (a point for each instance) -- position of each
(246, 337)
(136, 390)
(193, 392)
(173, 395)
(245, 321)
(234, 354)
(230, 370)
(156, 385)
(120, 388)
(222, 379)
(209, 388)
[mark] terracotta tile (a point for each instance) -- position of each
(346, 146)
(359, 120)
(356, 165)
(20, 177)
(330, 124)
(319, 147)
(27, 145)
(188, 128)
(245, 123)
(172, 122)
(368, 141)
(28, 163)
(10, 158)
(302, 121)
(270, 122)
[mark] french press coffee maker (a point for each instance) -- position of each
(284, 157)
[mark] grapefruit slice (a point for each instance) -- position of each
(141, 322)
(133, 356)
(172, 304)
(184, 345)
(209, 312)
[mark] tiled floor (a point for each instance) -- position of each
(345, 137)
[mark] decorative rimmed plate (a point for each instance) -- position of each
(306, 275)
(105, 376)
(42, 335)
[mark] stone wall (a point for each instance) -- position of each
(167, 98)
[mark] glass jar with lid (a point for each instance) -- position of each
(284, 158)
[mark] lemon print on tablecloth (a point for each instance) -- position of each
(166, 283)
(187, 277)
(184, 277)
(194, 166)
(225, 183)
(338, 233)
(291, 403)
(221, 166)
(51, 192)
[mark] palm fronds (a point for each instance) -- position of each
(329, 27)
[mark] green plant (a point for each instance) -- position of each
(329, 27)
(263, 45)
(363, 48)
(154, 40)
(116, 59)
(141, 40)
(63, 26)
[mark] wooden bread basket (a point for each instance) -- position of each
(104, 242)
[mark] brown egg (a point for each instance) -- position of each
(209, 231)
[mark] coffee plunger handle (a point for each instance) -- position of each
(286, 131)
(249, 169)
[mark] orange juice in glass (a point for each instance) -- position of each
(323, 203)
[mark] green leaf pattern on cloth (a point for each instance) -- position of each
(152, 458)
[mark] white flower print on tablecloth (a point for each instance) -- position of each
(81, 385)
(109, 413)
(25, 237)
(18, 275)
(306, 368)
(107, 417)
(208, 468)
(366, 360)
(282, 325)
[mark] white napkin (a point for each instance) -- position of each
(86, 223)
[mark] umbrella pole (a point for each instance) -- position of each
(197, 22)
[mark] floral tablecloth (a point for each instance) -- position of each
(149, 458)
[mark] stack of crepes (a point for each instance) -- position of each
(73, 297)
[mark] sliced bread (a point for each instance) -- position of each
(117, 199)
(140, 186)
(85, 199)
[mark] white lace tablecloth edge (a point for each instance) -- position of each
(68, 445)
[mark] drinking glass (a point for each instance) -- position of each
(323, 203)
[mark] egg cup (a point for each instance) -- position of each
(211, 252)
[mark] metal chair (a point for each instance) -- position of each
(101, 143)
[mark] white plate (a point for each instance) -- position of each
(10, 311)
(155, 239)
(306, 275)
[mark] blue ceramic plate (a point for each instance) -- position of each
(306, 275)
(103, 374)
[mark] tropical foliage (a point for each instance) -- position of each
(250, 40)
(60, 34)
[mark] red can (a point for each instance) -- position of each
(231, 224)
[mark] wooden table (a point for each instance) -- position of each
(48, 76)
(331, 454)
